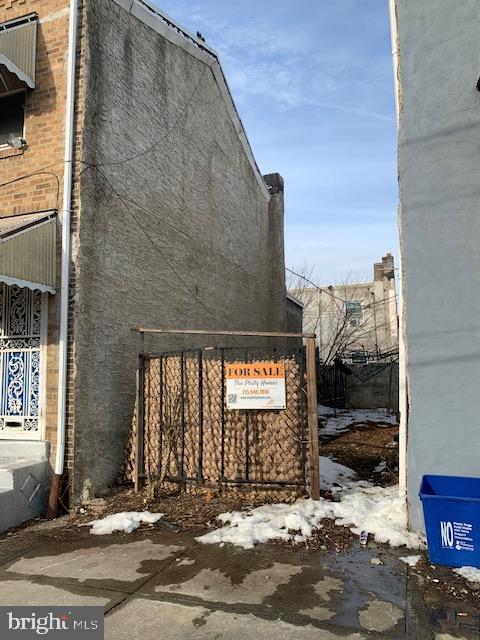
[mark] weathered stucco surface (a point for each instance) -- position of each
(372, 386)
(180, 235)
(439, 166)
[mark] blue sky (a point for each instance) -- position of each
(312, 80)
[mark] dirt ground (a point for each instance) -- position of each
(363, 449)
(188, 511)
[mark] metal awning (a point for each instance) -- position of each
(18, 44)
(28, 250)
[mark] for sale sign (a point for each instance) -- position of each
(255, 385)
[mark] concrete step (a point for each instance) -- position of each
(6, 478)
(24, 486)
(25, 449)
(7, 509)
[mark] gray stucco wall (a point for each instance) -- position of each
(192, 242)
(294, 317)
(372, 386)
(439, 167)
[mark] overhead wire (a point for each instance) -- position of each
(313, 284)
(138, 154)
(38, 173)
(321, 313)
(156, 142)
(332, 295)
(125, 201)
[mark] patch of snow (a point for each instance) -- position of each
(381, 512)
(322, 410)
(332, 425)
(410, 560)
(268, 522)
(126, 521)
(336, 477)
(377, 510)
(381, 466)
(472, 574)
(333, 474)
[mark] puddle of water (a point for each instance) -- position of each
(364, 581)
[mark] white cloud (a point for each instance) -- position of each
(282, 61)
(357, 111)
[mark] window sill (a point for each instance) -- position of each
(9, 152)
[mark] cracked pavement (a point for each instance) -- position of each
(154, 580)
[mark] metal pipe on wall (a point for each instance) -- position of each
(66, 250)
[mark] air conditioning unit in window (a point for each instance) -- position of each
(17, 143)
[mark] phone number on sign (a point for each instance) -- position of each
(255, 392)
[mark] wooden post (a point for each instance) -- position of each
(312, 402)
(140, 415)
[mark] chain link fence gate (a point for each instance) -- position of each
(184, 435)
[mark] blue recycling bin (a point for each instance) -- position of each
(451, 508)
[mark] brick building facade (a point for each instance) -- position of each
(171, 221)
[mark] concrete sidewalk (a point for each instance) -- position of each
(156, 583)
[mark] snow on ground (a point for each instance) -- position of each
(472, 574)
(126, 521)
(381, 512)
(336, 477)
(333, 474)
(411, 560)
(332, 425)
(377, 510)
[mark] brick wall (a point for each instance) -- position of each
(45, 113)
(44, 132)
(45, 135)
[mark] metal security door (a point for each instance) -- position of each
(22, 342)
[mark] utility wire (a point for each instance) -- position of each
(124, 160)
(154, 244)
(329, 293)
(314, 284)
(38, 173)
(154, 144)
(13, 155)
(318, 315)
(30, 175)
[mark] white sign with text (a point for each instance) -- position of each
(255, 385)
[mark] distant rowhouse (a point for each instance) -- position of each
(354, 321)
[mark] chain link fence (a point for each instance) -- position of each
(184, 435)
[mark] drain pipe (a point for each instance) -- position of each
(65, 275)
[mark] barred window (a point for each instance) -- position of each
(354, 311)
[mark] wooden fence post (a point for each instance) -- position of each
(140, 416)
(312, 403)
